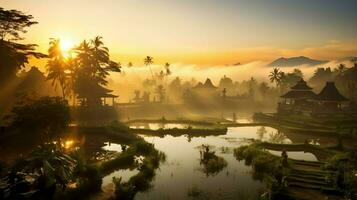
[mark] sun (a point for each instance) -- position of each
(66, 45)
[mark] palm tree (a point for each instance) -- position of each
(56, 66)
(276, 76)
(148, 61)
(340, 69)
(263, 89)
(130, 64)
(167, 69)
(160, 91)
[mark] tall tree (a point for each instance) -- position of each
(56, 66)
(93, 65)
(263, 88)
(167, 69)
(161, 92)
(148, 61)
(276, 76)
(13, 55)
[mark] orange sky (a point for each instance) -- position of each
(198, 32)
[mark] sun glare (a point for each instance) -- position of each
(66, 46)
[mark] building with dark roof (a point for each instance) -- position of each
(208, 85)
(93, 94)
(330, 98)
(298, 97)
(301, 99)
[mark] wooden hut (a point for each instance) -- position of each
(297, 98)
(330, 99)
(93, 94)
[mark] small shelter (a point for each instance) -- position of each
(299, 94)
(330, 99)
(93, 94)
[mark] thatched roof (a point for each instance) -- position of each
(93, 90)
(301, 85)
(207, 85)
(300, 91)
(199, 85)
(297, 94)
(330, 93)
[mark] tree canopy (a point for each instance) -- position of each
(14, 55)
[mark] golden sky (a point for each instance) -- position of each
(203, 32)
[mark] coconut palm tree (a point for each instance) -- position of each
(56, 66)
(148, 61)
(276, 76)
(167, 69)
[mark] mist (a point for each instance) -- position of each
(131, 78)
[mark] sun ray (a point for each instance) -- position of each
(66, 46)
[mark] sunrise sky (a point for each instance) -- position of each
(199, 32)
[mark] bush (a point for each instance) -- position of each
(262, 162)
(50, 114)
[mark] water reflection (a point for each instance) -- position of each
(210, 163)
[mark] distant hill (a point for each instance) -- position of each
(295, 61)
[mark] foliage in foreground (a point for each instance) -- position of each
(262, 162)
(141, 181)
(48, 173)
(45, 114)
(345, 163)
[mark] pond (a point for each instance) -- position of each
(184, 175)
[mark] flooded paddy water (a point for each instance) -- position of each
(183, 174)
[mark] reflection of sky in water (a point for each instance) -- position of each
(297, 155)
(156, 126)
(112, 147)
(124, 174)
(240, 120)
(181, 172)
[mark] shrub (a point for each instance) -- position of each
(49, 114)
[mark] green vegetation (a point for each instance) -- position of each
(13, 55)
(263, 163)
(141, 181)
(46, 170)
(211, 164)
(49, 115)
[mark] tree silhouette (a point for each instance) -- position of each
(276, 76)
(14, 56)
(56, 65)
(167, 69)
(148, 61)
(340, 69)
(263, 87)
(160, 91)
(130, 64)
(92, 66)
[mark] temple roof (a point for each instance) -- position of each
(207, 85)
(93, 90)
(199, 85)
(300, 90)
(330, 93)
(301, 85)
(296, 94)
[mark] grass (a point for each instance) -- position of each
(262, 162)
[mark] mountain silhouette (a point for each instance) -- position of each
(295, 61)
